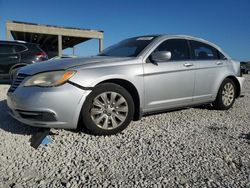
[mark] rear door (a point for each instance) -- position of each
(8, 58)
(209, 63)
(171, 83)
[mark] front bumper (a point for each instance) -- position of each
(53, 107)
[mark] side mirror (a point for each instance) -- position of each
(161, 56)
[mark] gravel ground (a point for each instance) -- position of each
(195, 147)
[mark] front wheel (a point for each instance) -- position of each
(108, 109)
(226, 95)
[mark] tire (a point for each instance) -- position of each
(226, 95)
(101, 116)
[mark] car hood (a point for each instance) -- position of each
(63, 64)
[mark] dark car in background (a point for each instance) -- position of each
(16, 54)
(245, 67)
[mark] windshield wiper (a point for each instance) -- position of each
(102, 55)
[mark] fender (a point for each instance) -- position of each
(99, 80)
(91, 77)
(238, 88)
(17, 65)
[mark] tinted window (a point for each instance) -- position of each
(6, 49)
(128, 48)
(19, 48)
(203, 51)
(177, 47)
(221, 56)
(33, 47)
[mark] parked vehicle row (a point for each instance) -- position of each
(136, 77)
(16, 54)
(245, 67)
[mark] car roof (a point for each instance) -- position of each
(170, 36)
(182, 36)
(16, 42)
(162, 37)
(188, 37)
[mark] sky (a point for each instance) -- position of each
(223, 22)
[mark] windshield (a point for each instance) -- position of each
(128, 48)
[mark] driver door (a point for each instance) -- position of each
(171, 83)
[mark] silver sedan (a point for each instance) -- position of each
(136, 77)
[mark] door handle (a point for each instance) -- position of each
(13, 57)
(188, 64)
(219, 63)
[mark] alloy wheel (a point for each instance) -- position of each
(228, 94)
(109, 110)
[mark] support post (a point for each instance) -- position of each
(100, 45)
(8, 34)
(59, 45)
(73, 49)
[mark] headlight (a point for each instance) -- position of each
(49, 79)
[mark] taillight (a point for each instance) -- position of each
(41, 55)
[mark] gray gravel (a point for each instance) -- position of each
(195, 147)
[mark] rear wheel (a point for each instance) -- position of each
(108, 109)
(226, 95)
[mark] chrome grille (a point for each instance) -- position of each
(17, 81)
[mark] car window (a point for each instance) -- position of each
(124, 51)
(202, 51)
(128, 48)
(20, 48)
(178, 48)
(221, 56)
(6, 49)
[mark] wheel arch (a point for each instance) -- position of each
(17, 66)
(236, 82)
(133, 92)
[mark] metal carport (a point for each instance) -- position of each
(52, 39)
